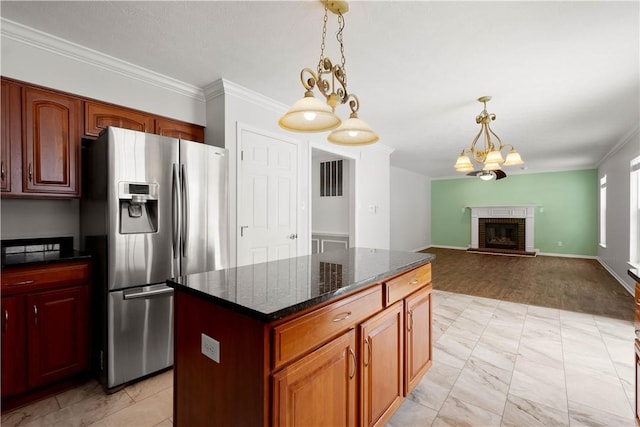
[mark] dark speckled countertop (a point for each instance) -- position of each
(38, 251)
(635, 273)
(273, 290)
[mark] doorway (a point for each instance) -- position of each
(332, 201)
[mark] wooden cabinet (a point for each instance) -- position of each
(636, 323)
(40, 142)
(320, 389)
(45, 327)
(418, 350)
(14, 346)
(98, 116)
(57, 335)
(176, 129)
(51, 143)
(10, 169)
(382, 365)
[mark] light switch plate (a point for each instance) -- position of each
(210, 348)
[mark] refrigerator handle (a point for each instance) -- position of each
(185, 211)
(174, 210)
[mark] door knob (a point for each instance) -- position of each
(293, 236)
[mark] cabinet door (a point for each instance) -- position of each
(57, 334)
(319, 389)
(382, 350)
(175, 129)
(11, 135)
(98, 116)
(418, 337)
(14, 348)
(51, 146)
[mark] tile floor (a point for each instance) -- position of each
(496, 363)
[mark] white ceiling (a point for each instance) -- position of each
(564, 76)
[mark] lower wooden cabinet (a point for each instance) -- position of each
(637, 358)
(45, 328)
(418, 348)
(319, 389)
(382, 365)
(14, 346)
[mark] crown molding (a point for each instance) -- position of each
(223, 86)
(56, 45)
(626, 138)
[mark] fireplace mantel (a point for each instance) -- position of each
(513, 211)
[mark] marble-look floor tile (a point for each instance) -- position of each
(520, 412)
(544, 312)
(150, 411)
(586, 416)
(26, 415)
(75, 395)
(165, 423)
(143, 389)
(456, 413)
(483, 385)
(539, 383)
(494, 355)
(435, 386)
(542, 351)
(453, 350)
(615, 328)
(600, 391)
(412, 414)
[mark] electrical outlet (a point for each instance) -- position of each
(210, 348)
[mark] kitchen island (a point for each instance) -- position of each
(337, 338)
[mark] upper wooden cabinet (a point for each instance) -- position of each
(51, 143)
(40, 142)
(180, 130)
(98, 116)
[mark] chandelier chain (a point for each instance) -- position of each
(324, 35)
(339, 38)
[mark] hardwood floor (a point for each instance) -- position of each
(574, 284)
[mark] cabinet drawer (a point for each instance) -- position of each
(407, 283)
(31, 278)
(300, 335)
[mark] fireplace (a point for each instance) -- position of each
(507, 229)
(506, 234)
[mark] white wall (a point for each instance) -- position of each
(410, 210)
(26, 218)
(617, 168)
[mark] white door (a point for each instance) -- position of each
(267, 198)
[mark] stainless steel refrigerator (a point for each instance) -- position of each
(152, 208)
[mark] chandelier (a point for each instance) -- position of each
(311, 114)
(488, 154)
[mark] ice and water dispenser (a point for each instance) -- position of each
(138, 207)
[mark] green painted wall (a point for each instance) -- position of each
(569, 201)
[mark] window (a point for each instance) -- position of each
(634, 204)
(331, 178)
(603, 211)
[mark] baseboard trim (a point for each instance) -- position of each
(567, 255)
(461, 248)
(624, 284)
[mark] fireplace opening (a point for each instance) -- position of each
(506, 234)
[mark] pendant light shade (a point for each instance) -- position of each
(513, 158)
(463, 164)
(494, 157)
(353, 131)
(309, 114)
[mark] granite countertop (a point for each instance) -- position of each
(635, 274)
(273, 290)
(39, 251)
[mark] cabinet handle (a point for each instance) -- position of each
(30, 173)
(366, 343)
(35, 312)
(2, 174)
(414, 282)
(24, 282)
(343, 316)
(355, 363)
(410, 322)
(6, 320)
(638, 302)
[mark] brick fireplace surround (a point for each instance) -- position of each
(487, 212)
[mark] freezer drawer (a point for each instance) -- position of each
(140, 332)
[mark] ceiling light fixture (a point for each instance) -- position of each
(488, 154)
(310, 114)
